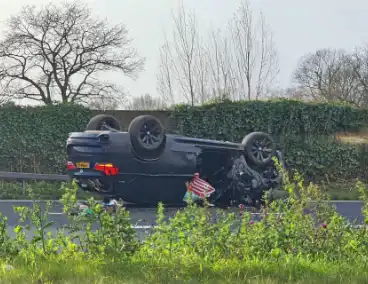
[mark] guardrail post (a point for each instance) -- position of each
(24, 187)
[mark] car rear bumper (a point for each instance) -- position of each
(93, 180)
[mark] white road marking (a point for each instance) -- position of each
(61, 213)
(277, 214)
(143, 227)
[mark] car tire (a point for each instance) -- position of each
(259, 148)
(100, 121)
(147, 136)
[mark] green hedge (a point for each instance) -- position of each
(304, 131)
(33, 138)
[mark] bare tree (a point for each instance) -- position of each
(237, 63)
(359, 63)
(182, 75)
(331, 75)
(294, 93)
(103, 103)
(185, 44)
(256, 62)
(147, 102)
(201, 73)
(59, 52)
(165, 84)
(220, 58)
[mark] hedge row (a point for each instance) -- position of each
(33, 138)
(277, 117)
(304, 131)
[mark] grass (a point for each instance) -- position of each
(252, 271)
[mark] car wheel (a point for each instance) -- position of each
(103, 122)
(147, 135)
(259, 148)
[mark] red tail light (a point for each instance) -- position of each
(108, 169)
(70, 165)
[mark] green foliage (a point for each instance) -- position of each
(114, 237)
(297, 240)
(304, 131)
(33, 138)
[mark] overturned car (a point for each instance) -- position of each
(146, 165)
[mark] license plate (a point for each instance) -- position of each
(83, 165)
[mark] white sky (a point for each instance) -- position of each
(299, 27)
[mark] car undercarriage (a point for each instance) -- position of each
(236, 182)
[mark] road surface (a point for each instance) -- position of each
(144, 218)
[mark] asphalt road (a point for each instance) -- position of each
(144, 218)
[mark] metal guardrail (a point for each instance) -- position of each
(32, 176)
(23, 177)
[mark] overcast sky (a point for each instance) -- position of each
(299, 27)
